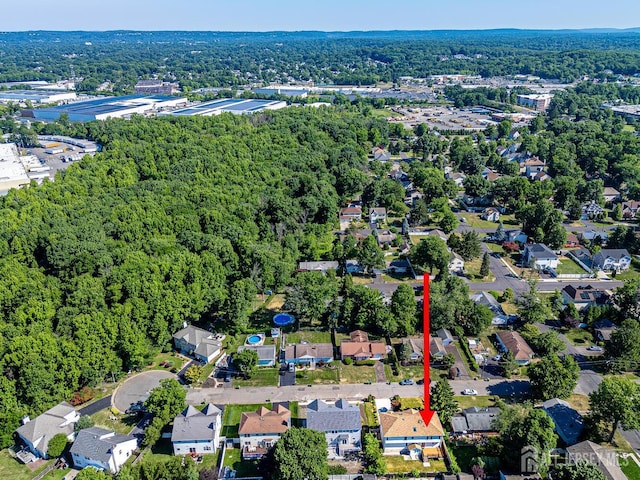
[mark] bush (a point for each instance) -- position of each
(57, 445)
(337, 469)
(347, 361)
(365, 363)
(467, 353)
(494, 294)
(82, 396)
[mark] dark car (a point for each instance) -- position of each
(136, 408)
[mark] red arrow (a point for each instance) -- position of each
(427, 413)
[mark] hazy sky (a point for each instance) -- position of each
(331, 15)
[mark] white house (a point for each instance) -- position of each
(456, 264)
(341, 424)
(197, 432)
(491, 214)
(612, 259)
(261, 429)
(102, 449)
(539, 256)
(37, 433)
(378, 215)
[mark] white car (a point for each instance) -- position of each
(497, 358)
(469, 391)
(595, 348)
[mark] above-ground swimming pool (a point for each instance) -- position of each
(283, 319)
(253, 339)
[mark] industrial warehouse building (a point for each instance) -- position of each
(108, 107)
(36, 96)
(12, 172)
(231, 105)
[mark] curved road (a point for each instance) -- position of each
(137, 388)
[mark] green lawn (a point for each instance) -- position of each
(482, 401)
(232, 414)
(415, 372)
(357, 374)
(578, 336)
(472, 269)
(264, 377)
(233, 460)
(123, 423)
(370, 414)
(474, 220)
(568, 266)
(494, 247)
(312, 336)
(397, 464)
(322, 375)
(411, 402)
(629, 467)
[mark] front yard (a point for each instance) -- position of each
(481, 401)
(321, 375)
(566, 266)
(357, 374)
(579, 336)
(264, 377)
(472, 270)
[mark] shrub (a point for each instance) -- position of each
(337, 469)
(367, 363)
(348, 361)
(57, 445)
(467, 353)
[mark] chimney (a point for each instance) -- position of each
(25, 420)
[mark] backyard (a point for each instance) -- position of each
(397, 464)
(243, 468)
(311, 336)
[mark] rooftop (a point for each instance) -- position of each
(97, 443)
(325, 417)
(409, 423)
(193, 424)
(264, 420)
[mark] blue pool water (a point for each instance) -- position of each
(253, 339)
(283, 319)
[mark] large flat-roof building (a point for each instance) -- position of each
(109, 107)
(231, 105)
(36, 96)
(12, 171)
(538, 101)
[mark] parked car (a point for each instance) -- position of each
(292, 367)
(595, 348)
(227, 377)
(136, 408)
(406, 381)
(469, 391)
(497, 358)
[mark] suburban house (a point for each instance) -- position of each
(591, 235)
(513, 342)
(416, 347)
(489, 301)
(353, 266)
(37, 433)
(197, 432)
(378, 215)
(360, 348)
(445, 336)
(490, 214)
(475, 420)
(317, 266)
(384, 237)
(352, 213)
(603, 329)
(399, 266)
(102, 449)
(406, 431)
(605, 458)
(457, 177)
(439, 233)
(584, 297)
(612, 259)
(630, 209)
(341, 424)
(436, 348)
(517, 236)
(531, 167)
(572, 241)
(610, 194)
(456, 264)
(197, 342)
(308, 353)
(539, 256)
(261, 429)
(266, 354)
(568, 422)
(592, 210)
(380, 154)
(541, 177)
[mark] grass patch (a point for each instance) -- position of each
(370, 416)
(233, 460)
(309, 336)
(232, 414)
(629, 467)
(472, 269)
(415, 372)
(321, 375)
(568, 267)
(356, 374)
(579, 402)
(494, 247)
(264, 377)
(397, 464)
(481, 401)
(169, 358)
(578, 336)
(474, 220)
(13, 469)
(411, 402)
(123, 423)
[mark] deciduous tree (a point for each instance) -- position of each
(616, 401)
(553, 377)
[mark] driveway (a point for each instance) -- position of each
(460, 363)
(137, 388)
(381, 377)
(96, 406)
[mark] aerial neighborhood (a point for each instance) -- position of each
(311, 256)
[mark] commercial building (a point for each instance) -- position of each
(12, 171)
(108, 107)
(282, 90)
(236, 106)
(537, 101)
(155, 87)
(36, 96)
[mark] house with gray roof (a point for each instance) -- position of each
(266, 354)
(197, 432)
(475, 420)
(308, 353)
(445, 335)
(341, 424)
(323, 266)
(612, 259)
(102, 449)
(605, 458)
(568, 422)
(197, 342)
(539, 256)
(37, 433)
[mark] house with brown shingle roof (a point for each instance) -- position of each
(360, 348)
(260, 430)
(406, 430)
(513, 342)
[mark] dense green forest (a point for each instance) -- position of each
(180, 219)
(221, 59)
